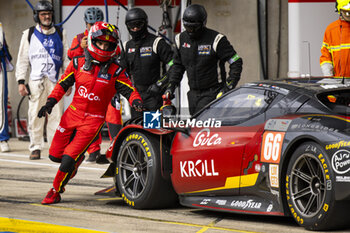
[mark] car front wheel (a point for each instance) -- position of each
(138, 173)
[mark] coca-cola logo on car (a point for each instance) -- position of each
(205, 138)
(82, 91)
(341, 161)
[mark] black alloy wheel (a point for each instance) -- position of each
(308, 185)
(138, 173)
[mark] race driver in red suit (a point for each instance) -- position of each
(113, 116)
(97, 77)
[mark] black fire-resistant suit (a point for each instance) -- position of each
(200, 58)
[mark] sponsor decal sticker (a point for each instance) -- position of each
(274, 180)
(199, 168)
(186, 45)
(250, 204)
(341, 161)
(145, 51)
(272, 146)
(342, 178)
(104, 76)
(204, 138)
(204, 49)
(205, 201)
(313, 127)
(277, 125)
(221, 202)
(82, 91)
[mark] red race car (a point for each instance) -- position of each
(269, 148)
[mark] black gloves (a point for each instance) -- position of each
(169, 92)
(153, 89)
(230, 84)
(137, 105)
(115, 101)
(47, 108)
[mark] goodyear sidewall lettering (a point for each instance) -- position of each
(326, 209)
(145, 144)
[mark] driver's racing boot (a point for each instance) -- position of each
(101, 159)
(52, 197)
(93, 156)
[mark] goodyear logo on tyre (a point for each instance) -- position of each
(142, 140)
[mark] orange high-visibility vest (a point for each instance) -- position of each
(336, 48)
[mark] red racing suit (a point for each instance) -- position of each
(84, 118)
(113, 115)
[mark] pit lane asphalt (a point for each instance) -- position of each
(24, 183)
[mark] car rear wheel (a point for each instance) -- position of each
(138, 173)
(310, 189)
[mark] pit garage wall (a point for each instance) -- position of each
(307, 22)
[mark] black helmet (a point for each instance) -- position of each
(93, 14)
(41, 6)
(194, 19)
(136, 17)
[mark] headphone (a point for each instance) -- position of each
(42, 6)
(36, 16)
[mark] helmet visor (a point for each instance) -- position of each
(135, 24)
(105, 45)
(105, 34)
(192, 27)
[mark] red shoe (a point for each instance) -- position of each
(51, 197)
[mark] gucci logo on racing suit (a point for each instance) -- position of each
(82, 91)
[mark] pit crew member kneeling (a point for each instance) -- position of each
(97, 76)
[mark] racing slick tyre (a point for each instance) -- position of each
(138, 173)
(310, 190)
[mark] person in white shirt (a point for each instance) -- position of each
(43, 49)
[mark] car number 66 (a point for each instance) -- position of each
(271, 147)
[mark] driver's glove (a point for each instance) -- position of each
(137, 105)
(47, 108)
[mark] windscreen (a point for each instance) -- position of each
(338, 101)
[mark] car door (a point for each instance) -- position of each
(209, 159)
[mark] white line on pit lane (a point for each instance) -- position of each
(41, 163)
